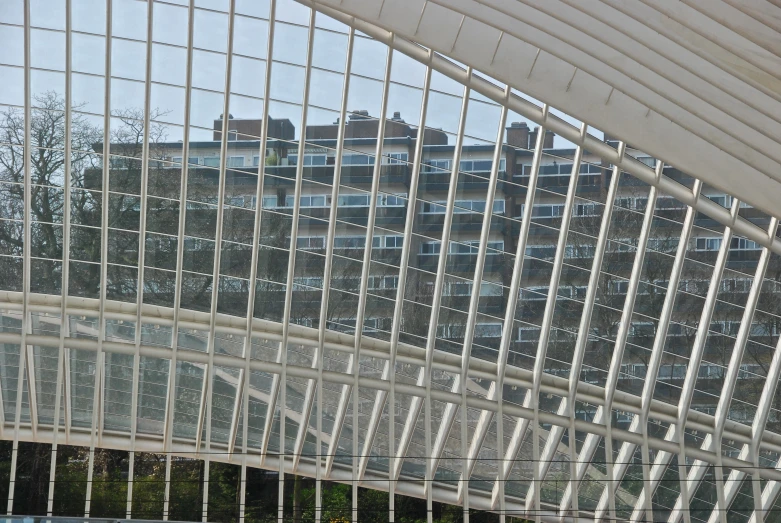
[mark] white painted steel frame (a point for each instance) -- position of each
(462, 379)
(554, 436)
(26, 261)
(168, 422)
(713, 442)
(672, 120)
(562, 128)
(422, 393)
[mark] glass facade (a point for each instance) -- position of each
(370, 271)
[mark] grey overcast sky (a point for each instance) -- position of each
(168, 68)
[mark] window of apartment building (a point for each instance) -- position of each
(383, 282)
(435, 166)
(357, 159)
(528, 334)
(736, 284)
(396, 158)
(430, 247)
(316, 200)
(308, 281)
(488, 330)
(450, 331)
(391, 200)
(388, 242)
(535, 293)
(353, 200)
(433, 208)
(269, 202)
(729, 328)
(643, 329)
(707, 244)
(585, 209)
(463, 206)
(473, 246)
(211, 161)
(349, 242)
(309, 159)
(310, 242)
(178, 160)
(742, 244)
(235, 161)
(481, 166)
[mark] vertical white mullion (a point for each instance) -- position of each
(571, 492)
(61, 362)
(750, 451)
(758, 431)
(171, 396)
(209, 374)
(291, 269)
(257, 226)
(398, 308)
(725, 399)
(318, 360)
(437, 301)
(509, 313)
(97, 403)
(26, 255)
(687, 391)
(31, 391)
(659, 341)
(713, 441)
(474, 303)
(618, 352)
(365, 280)
(621, 336)
(547, 323)
(352, 366)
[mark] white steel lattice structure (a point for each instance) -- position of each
(496, 305)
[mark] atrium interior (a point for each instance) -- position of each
(385, 260)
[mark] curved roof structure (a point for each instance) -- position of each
(696, 83)
(518, 257)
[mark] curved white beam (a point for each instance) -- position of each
(588, 84)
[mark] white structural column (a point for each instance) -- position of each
(394, 455)
(554, 436)
(244, 387)
(675, 431)
(425, 372)
(620, 345)
(207, 398)
(170, 399)
(751, 450)
(434, 318)
(291, 270)
(66, 206)
(353, 364)
(640, 422)
(367, 260)
(579, 465)
(27, 166)
(314, 387)
(474, 302)
(509, 323)
(713, 442)
(319, 359)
